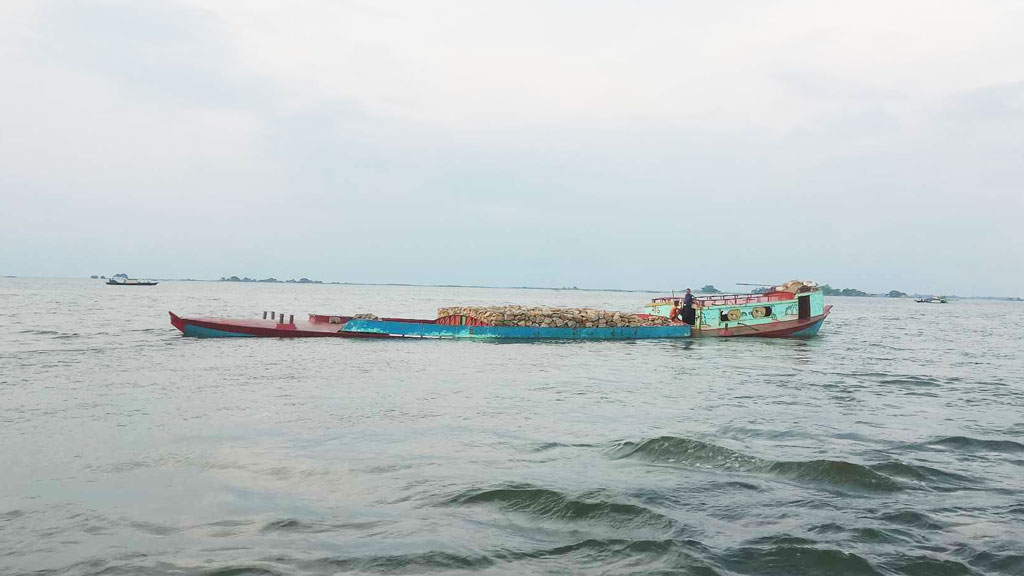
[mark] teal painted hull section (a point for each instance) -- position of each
(809, 331)
(420, 330)
(201, 332)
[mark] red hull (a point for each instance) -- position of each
(264, 328)
(774, 330)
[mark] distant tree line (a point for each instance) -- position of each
(830, 291)
(270, 280)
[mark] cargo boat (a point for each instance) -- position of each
(453, 327)
(130, 282)
(794, 310)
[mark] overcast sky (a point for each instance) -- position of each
(633, 144)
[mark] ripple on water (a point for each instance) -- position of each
(696, 453)
(971, 445)
(864, 534)
(1007, 563)
(611, 556)
(293, 525)
(553, 505)
(790, 560)
(926, 566)
(913, 519)
(926, 476)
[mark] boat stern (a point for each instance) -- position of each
(795, 309)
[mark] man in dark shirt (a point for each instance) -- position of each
(689, 314)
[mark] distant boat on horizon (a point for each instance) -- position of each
(124, 280)
(932, 300)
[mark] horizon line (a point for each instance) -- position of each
(417, 285)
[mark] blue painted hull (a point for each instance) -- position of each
(203, 332)
(809, 331)
(421, 330)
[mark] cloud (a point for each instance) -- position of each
(588, 143)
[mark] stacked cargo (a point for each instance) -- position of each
(546, 317)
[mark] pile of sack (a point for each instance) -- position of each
(797, 286)
(552, 317)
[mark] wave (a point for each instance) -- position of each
(1015, 509)
(623, 556)
(11, 514)
(968, 444)
(299, 526)
(667, 552)
(913, 519)
(779, 554)
(99, 567)
(630, 555)
(554, 505)
(837, 473)
(789, 559)
(932, 478)
(558, 445)
(433, 560)
(999, 563)
(911, 381)
(932, 567)
(693, 453)
(614, 555)
(644, 555)
(241, 571)
(732, 485)
(865, 535)
(698, 454)
(53, 334)
(780, 540)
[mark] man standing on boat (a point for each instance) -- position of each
(688, 313)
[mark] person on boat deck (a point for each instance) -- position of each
(688, 313)
(675, 313)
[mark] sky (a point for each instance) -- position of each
(620, 144)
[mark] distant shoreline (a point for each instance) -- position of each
(846, 293)
(857, 294)
(413, 285)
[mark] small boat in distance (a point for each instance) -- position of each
(124, 280)
(932, 300)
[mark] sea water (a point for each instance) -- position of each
(892, 443)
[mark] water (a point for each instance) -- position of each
(891, 444)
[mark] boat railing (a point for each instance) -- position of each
(461, 320)
(340, 319)
(729, 299)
